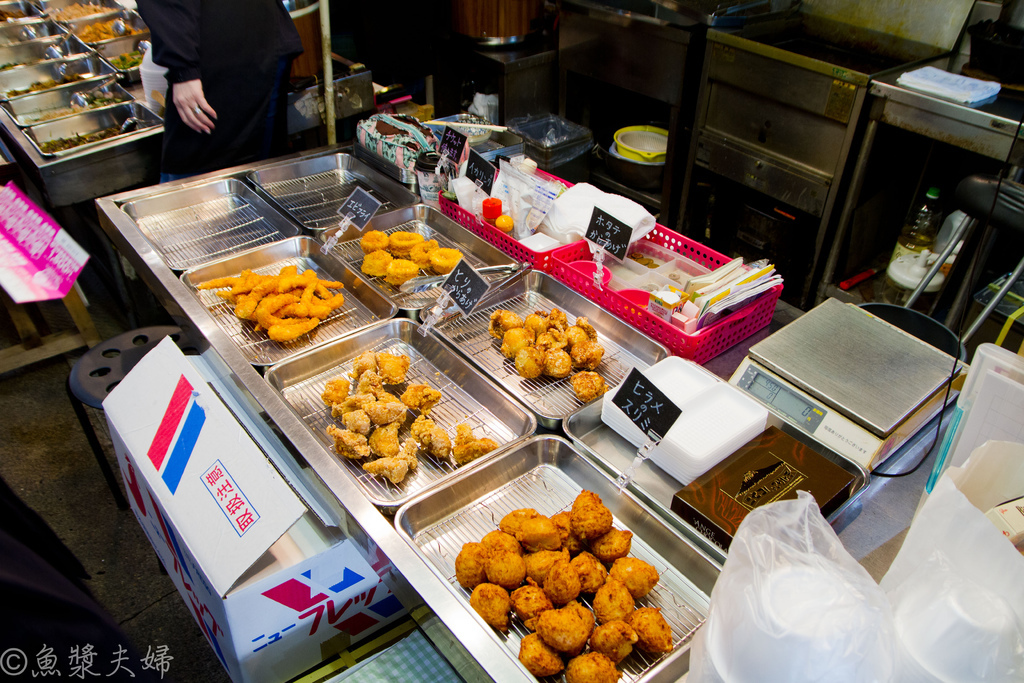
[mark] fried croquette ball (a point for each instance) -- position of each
(538, 564)
(584, 614)
(362, 363)
(373, 240)
(376, 263)
(335, 390)
(592, 667)
(443, 261)
(357, 421)
(502, 321)
(511, 522)
(653, 633)
(588, 385)
(498, 541)
(530, 362)
(392, 367)
(538, 657)
(421, 397)
(591, 572)
(590, 518)
(557, 364)
(401, 243)
(562, 583)
(612, 545)
(551, 340)
(536, 322)
(471, 565)
(638, 576)
(506, 569)
(574, 335)
(493, 604)
(419, 254)
(587, 354)
(348, 444)
(538, 533)
(400, 271)
(587, 328)
(614, 640)
(557, 319)
(613, 602)
(529, 602)
(565, 629)
(570, 542)
(515, 339)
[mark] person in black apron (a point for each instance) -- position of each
(228, 63)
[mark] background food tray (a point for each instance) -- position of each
(15, 32)
(363, 305)
(197, 225)
(546, 473)
(312, 190)
(88, 67)
(91, 121)
(110, 49)
(467, 397)
(550, 399)
(28, 110)
(433, 225)
(42, 49)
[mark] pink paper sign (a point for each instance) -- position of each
(38, 260)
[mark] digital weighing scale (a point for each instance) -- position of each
(848, 379)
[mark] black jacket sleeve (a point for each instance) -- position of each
(174, 25)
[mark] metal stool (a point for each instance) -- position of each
(100, 369)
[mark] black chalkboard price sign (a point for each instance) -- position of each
(646, 406)
(452, 143)
(359, 207)
(466, 286)
(479, 169)
(610, 233)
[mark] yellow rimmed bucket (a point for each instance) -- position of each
(642, 143)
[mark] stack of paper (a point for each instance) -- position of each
(948, 86)
(728, 294)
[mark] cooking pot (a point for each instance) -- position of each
(640, 175)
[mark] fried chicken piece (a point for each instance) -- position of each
(348, 444)
(592, 667)
(471, 565)
(362, 363)
(551, 340)
(384, 440)
(612, 545)
(506, 569)
(512, 522)
(590, 517)
(385, 412)
(370, 383)
(351, 404)
(614, 640)
(538, 564)
(432, 438)
(565, 630)
(587, 354)
(653, 633)
(539, 533)
(529, 602)
(392, 468)
(588, 385)
(530, 362)
(557, 319)
(536, 322)
(515, 339)
(538, 657)
(591, 572)
(357, 421)
(493, 604)
(638, 576)
(420, 254)
(498, 541)
(562, 583)
(467, 447)
(557, 364)
(613, 602)
(376, 264)
(421, 397)
(335, 390)
(502, 321)
(570, 541)
(392, 368)
(373, 240)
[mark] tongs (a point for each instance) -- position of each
(425, 282)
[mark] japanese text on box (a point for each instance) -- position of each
(229, 497)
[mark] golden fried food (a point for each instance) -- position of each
(638, 576)
(538, 564)
(575, 335)
(335, 390)
(433, 439)
(529, 602)
(588, 385)
(287, 332)
(536, 322)
(443, 261)
(384, 440)
(493, 604)
(538, 533)
(357, 421)
(400, 244)
(614, 640)
(370, 383)
(569, 541)
(653, 633)
(612, 545)
(348, 444)
(587, 328)
(421, 397)
(506, 569)
(551, 340)
(420, 254)
(584, 614)
(530, 362)
(376, 263)
(400, 271)
(103, 30)
(467, 447)
(562, 583)
(471, 565)
(566, 629)
(392, 367)
(557, 319)
(515, 339)
(590, 517)
(392, 468)
(373, 240)
(593, 667)
(363, 362)
(591, 572)
(587, 354)
(498, 541)
(385, 412)
(538, 657)
(512, 522)
(502, 321)
(613, 602)
(351, 404)
(557, 364)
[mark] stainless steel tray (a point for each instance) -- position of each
(55, 104)
(90, 122)
(468, 397)
(402, 175)
(655, 487)
(119, 46)
(503, 142)
(311, 190)
(50, 6)
(30, 11)
(433, 225)
(87, 67)
(546, 473)
(131, 19)
(552, 400)
(12, 33)
(363, 305)
(195, 225)
(41, 50)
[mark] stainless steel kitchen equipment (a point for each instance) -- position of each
(56, 104)
(42, 49)
(90, 122)
(28, 11)
(13, 33)
(129, 19)
(122, 46)
(58, 73)
(49, 7)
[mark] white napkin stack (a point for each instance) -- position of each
(569, 216)
(939, 83)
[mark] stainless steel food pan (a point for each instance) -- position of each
(363, 305)
(114, 48)
(130, 18)
(53, 105)
(27, 9)
(552, 400)
(468, 397)
(312, 190)
(15, 32)
(35, 51)
(195, 225)
(546, 473)
(50, 6)
(91, 122)
(88, 67)
(433, 225)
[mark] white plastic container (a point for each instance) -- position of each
(154, 83)
(905, 273)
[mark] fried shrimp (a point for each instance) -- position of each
(376, 263)
(443, 261)
(291, 331)
(400, 243)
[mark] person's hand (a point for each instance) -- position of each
(192, 106)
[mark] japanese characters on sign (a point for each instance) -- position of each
(466, 286)
(480, 170)
(452, 144)
(646, 406)
(359, 207)
(229, 497)
(609, 233)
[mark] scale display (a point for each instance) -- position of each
(798, 409)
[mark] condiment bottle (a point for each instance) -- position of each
(491, 210)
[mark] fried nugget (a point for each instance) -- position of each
(351, 404)
(530, 362)
(515, 339)
(433, 439)
(335, 390)
(538, 533)
(613, 601)
(557, 364)
(498, 541)
(529, 602)
(638, 576)
(373, 240)
(614, 640)
(467, 447)
(538, 564)
(588, 385)
(506, 569)
(357, 421)
(511, 522)
(376, 263)
(566, 630)
(590, 518)
(538, 657)
(502, 321)
(348, 444)
(570, 541)
(493, 604)
(420, 254)
(591, 572)
(587, 354)
(363, 362)
(385, 412)
(421, 397)
(392, 367)
(575, 335)
(653, 633)
(592, 667)
(471, 565)
(612, 545)
(562, 584)
(384, 440)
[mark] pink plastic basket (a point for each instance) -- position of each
(699, 347)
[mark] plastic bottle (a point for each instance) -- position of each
(921, 227)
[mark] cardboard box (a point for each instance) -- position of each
(273, 590)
